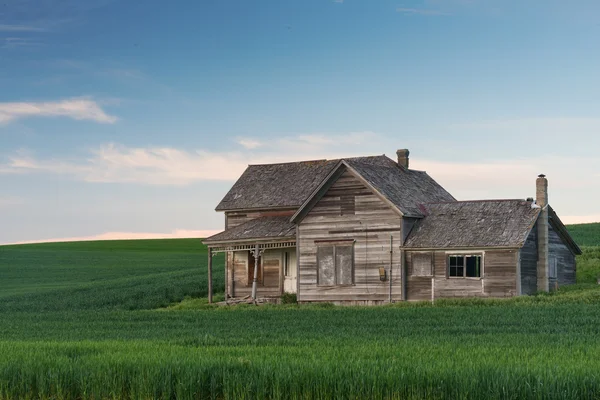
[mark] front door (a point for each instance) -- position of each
(289, 271)
(251, 264)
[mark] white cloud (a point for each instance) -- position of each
(509, 177)
(20, 28)
(75, 108)
(420, 11)
(250, 144)
(112, 163)
(175, 234)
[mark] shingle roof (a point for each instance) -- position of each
(487, 223)
(405, 188)
(259, 228)
(276, 185)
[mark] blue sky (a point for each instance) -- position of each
(133, 119)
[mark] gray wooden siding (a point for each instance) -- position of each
(565, 260)
(529, 258)
(499, 277)
(558, 252)
(349, 210)
(235, 218)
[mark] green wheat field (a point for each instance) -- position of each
(129, 320)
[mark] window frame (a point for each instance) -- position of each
(464, 255)
(431, 264)
(334, 244)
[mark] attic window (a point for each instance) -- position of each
(464, 266)
(347, 205)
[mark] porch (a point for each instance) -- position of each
(260, 259)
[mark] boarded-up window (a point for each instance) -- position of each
(335, 264)
(326, 265)
(343, 264)
(421, 264)
(348, 205)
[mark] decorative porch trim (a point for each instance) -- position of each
(252, 247)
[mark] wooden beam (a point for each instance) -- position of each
(210, 287)
(255, 280)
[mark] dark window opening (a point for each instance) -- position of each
(464, 266)
(286, 266)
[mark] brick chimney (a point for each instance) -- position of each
(403, 157)
(541, 200)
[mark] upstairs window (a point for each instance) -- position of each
(464, 266)
(335, 262)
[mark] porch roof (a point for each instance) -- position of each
(259, 229)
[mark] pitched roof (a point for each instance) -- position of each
(276, 185)
(405, 188)
(259, 228)
(487, 223)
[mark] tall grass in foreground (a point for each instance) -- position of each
(363, 370)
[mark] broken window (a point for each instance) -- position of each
(421, 264)
(464, 266)
(335, 264)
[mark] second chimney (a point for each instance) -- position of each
(543, 273)
(403, 157)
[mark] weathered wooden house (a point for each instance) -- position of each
(369, 230)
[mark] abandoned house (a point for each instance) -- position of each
(369, 230)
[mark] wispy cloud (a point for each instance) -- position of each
(420, 11)
(16, 42)
(113, 163)
(75, 108)
(21, 28)
(249, 143)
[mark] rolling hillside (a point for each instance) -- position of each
(87, 320)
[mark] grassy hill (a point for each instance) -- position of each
(588, 264)
(83, 320)
(124, 274)
(585, 234)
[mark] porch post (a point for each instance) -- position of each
(255, 280)
(210, 288)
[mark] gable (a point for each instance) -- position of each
(401, 189)
(342, 188)
(348, 196)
